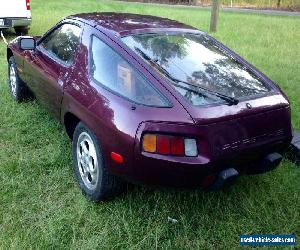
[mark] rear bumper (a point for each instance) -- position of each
(223, 178)
(294, 153)
(191, 173)
(14, 22)
(266, 164)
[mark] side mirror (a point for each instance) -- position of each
(27, 43)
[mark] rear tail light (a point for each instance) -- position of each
(28, 4)
(177, 146)
(163, 145)
(190, 147)
(149, 143)
(169, 145)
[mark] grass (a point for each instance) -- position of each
(41, 205)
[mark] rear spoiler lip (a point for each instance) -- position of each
(209, 115)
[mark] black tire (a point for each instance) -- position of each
(18, 90)
(21, 31)
(107, 186)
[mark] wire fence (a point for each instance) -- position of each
(293, 5)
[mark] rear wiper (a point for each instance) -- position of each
(230, 100)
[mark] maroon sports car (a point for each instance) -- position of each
(151, 100)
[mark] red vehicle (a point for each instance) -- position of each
(152, 101)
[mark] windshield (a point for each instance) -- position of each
(196, 60)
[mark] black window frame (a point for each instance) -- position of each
(53, 56)
(162, 96)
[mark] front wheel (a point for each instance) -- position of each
(18, 89)
(89, 166)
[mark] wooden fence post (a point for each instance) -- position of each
(214, 15)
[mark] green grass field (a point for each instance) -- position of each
(42, 207)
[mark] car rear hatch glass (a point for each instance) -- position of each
(197, 63)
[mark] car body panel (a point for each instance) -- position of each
(124, 23)
(45, 77)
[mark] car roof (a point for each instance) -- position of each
(125, 23)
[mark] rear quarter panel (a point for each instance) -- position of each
(114, 119)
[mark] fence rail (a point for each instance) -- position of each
(272, 4)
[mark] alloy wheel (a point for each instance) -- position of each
(87, 161)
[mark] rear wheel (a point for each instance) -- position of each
(21, 31)
(18, 89)
(90, 169)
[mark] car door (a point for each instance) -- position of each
(50, 65)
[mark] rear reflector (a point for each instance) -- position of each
(116, 157)
(169, 145)
(28, 4)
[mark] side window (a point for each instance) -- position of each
(62, 42)
(109, 69)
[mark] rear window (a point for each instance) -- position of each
(196, 59)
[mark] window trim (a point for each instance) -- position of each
(52, 55)
(162, 96)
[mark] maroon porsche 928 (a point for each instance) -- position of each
(152, 101)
